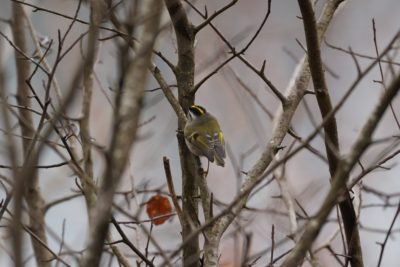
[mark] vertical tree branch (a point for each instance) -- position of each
(190, 165)
(31, 187)
(338, 188)
(12, 156)
(347, 211)
(97, 11)
(29, 167)
(124, 131)
(96, 15)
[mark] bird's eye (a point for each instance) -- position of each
(197, 110)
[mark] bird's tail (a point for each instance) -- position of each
(218, 149)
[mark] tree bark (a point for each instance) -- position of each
(190, 165)
(32, 192)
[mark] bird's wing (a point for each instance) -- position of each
(202, 143)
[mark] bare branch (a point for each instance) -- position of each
(126, 240)
(339, 180)
(124, 132)
(190, 165)
(214, 15)
(171, 189)
(38, 8)
(28, 189)
(281, 125)
(381, 72)
(331, 133)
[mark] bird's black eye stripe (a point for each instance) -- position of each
(197, 110)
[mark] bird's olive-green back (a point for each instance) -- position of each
(206, 124)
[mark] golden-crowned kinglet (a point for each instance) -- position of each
(203, 135)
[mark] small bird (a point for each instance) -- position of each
(203, 136)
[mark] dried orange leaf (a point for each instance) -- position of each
(158, 208)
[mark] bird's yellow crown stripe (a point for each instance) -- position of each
(201, 111)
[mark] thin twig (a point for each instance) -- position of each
(272, 246)
(381, 73)
(214, 15)
(56, 165)
(126, 240)
(383, 245)
(38, 8)
(171, 188)
(339, 181)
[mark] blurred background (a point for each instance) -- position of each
(246, 125)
